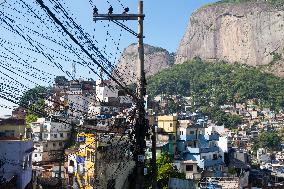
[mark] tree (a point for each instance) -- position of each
(268, 140)
(32, 100)
(166, 170)
(60, 80)
(35, 111)
(31, 96)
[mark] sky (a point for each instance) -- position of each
(164, 25)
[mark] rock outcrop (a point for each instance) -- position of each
(250, 33)
(156, 59)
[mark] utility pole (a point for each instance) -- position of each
(140, 127)
(154, 158)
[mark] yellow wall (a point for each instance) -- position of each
(18, 129)
(168, 123)
(89, 149)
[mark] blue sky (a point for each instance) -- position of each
(164, 26)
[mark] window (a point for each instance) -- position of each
(60, 143)
(88, 155)
(214, 156)
(204, 157)
(191, 132)
(45, 136)
(71, 163)
(171, 124)
(93, 158)
(61, 135)
(55, 135)
(35, 155)
(53, 144)
(189, 167)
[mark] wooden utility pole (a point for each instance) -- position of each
(140, 127)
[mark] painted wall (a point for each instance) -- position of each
(20, 160)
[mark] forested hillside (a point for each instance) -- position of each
(218, 83)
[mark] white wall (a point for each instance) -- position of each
(223, 145)
(103, 93)
(55, 136)
(49, 126)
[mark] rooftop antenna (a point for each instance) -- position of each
(73, 71)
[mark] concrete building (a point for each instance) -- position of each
(13, 127)
(80, 164)
(104, 92)
(204, 150)
(16, 160)
(168, 123)
(50, 137)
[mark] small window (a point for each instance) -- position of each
(45, 136)
(71, 163)
(55, 135)
(61, 135)
(191, 132)
(88, 155)
(53, 144)
(60, 143)
(171, 124)
(93, 158)
(189, 167)
(35, 155)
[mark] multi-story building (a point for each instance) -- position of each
(80, 165)
(201, 151)
(49, 137)
(104, 92)
(168, 123)
(16, 161)
(13, 127)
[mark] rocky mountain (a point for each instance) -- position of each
(250, 32)
(156, 59)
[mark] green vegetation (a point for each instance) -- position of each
(214, 84)
(33, 101)
(222, 118)
(276, 56)
(166, 170)
(269, 140)
(60, 80)
(32, 96)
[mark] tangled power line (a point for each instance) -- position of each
(41, 39)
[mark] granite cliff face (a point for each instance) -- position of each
(249, 33)
(156, 59)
